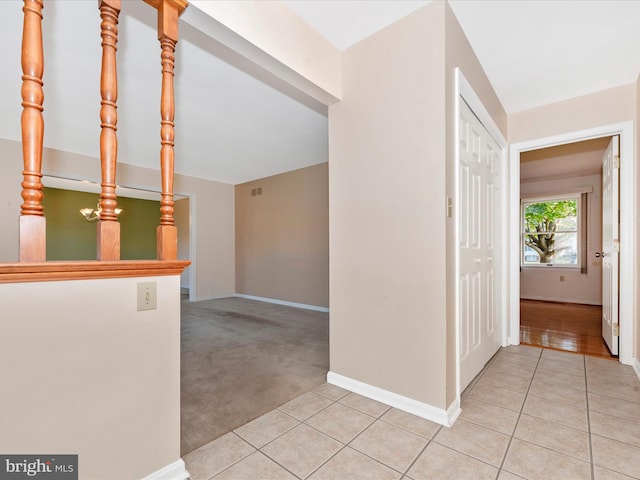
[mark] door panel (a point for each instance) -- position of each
(479, 227)
(610, 244)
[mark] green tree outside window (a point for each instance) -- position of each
(550, 232)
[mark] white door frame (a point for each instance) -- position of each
(627, 233)
(463, 90)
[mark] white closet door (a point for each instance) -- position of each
(479, 226)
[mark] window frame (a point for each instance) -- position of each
(578, 230)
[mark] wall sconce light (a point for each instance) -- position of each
(93, 214)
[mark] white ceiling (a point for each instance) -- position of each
(232, 127)
(537, 52)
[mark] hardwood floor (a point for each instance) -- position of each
(563, 326)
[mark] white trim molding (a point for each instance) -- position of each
(406, 404)
(174, 471)
(627, 232)
(282, 302)
(213, 297)
(636, 367)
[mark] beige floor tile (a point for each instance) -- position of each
(390, 445)
(412, 423)
(504, 367)
(558, 393)
(554, 436)
(560, 412)
(255, 466)
(617, 456)
(612, 375)
(539, 463)
(364, 404)
(268, 427)
(352, 465)
(600, 473)
(623, 430)
(474, 440)
(330, 391)
(506, 380)
(305, 405)
(504, 475)
(614, 406)
(566, 357)
(572, 368)
(491, 416)
(442, 463)
(627, 388)
(501, 397)
(340, 422)
(525, 361)
(523, 350)
(212, 458)
(608, 367)
(302, 450)
(561, 379)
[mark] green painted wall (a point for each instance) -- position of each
(71, 237)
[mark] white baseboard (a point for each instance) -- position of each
(175, 471)
(560, 300)
(214, 297)
(282, 302)
(635, 363)
(409, 405)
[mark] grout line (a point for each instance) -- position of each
(586, 394)
(412, 463)
(327, 460)
(524, 401)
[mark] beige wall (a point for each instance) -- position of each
(282, 237)
(386, 204)
(460, 54)
(540, 283)
(392, 163)
(601, 108)
(212, 206)
(97, 378)
(182, 216)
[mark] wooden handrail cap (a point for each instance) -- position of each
(179, 5)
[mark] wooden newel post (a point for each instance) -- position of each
(33, 244)
(108, 233)
(167, 233)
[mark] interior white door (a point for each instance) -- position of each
(479, 227)
(610, 244)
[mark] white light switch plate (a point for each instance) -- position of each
(147, 296)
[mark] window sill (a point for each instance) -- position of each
(550, 267)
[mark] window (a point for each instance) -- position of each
(550, 233)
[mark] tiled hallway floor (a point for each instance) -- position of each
(532, 413)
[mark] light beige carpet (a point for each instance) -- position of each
(242, 358)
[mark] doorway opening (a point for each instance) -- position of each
(627, 235)
(561, 267)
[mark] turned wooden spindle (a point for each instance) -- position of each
(167, 233)
(167, 132)
(32, 222)
(108, 233)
